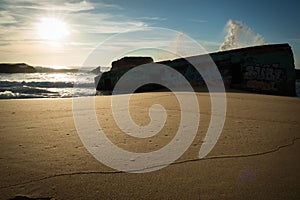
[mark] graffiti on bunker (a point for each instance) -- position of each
(264, 76)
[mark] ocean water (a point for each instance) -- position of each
(47, 85)
(53, 85)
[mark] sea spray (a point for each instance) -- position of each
(240, 35)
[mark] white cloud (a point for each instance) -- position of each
(68, 7)
(153, 18)
(25, 15)
(110, 27)
(103, 23)
(7, 18)
(58, 6)
(89, 23)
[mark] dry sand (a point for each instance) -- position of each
(256, 157)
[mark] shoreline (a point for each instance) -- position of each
(228, 91)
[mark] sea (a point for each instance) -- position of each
(54, 84)
(47, 84)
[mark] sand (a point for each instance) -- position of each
(256, 156)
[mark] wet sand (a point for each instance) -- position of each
(256, 156)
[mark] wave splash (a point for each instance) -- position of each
(46, 85)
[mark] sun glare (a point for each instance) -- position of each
(52, 29)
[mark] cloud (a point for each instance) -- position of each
(104, 23)
(153, 18)
(58, 6)
(7, 18)
(65, 6)
(83, 17)
(240, 35)
(89, 22)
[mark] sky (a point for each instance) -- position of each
(64, 33)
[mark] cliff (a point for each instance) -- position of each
(16, 68)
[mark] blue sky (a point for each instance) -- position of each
(88, 23)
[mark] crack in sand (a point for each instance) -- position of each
(240, 118)
(20, 197)
(278, 148)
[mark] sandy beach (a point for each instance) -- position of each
(256, 156)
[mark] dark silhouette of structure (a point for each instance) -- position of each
(267, 69)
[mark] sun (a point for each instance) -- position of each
(52, 29)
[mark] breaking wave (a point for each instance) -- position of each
(46, 85)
